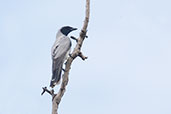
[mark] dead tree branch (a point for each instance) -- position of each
(56, 98)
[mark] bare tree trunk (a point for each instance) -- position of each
(56, 98)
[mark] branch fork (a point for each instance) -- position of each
(82, 56)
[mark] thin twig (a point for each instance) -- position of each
(51, 92)
(74, 38)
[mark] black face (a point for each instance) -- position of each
(67, 29)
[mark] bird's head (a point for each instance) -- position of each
(67, 29)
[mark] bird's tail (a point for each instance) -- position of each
(56, 74)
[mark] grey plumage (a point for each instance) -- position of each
(59, 52)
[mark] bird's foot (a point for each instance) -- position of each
(71, 56)
(64, 69)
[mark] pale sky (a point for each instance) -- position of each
(128, 70)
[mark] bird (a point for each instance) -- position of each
(59, 52)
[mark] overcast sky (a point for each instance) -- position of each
(129, 48)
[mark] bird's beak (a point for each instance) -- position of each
(74, 29)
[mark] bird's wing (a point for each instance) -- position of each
(60, 47)
(59, 51)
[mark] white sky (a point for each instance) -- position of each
(128, 70)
